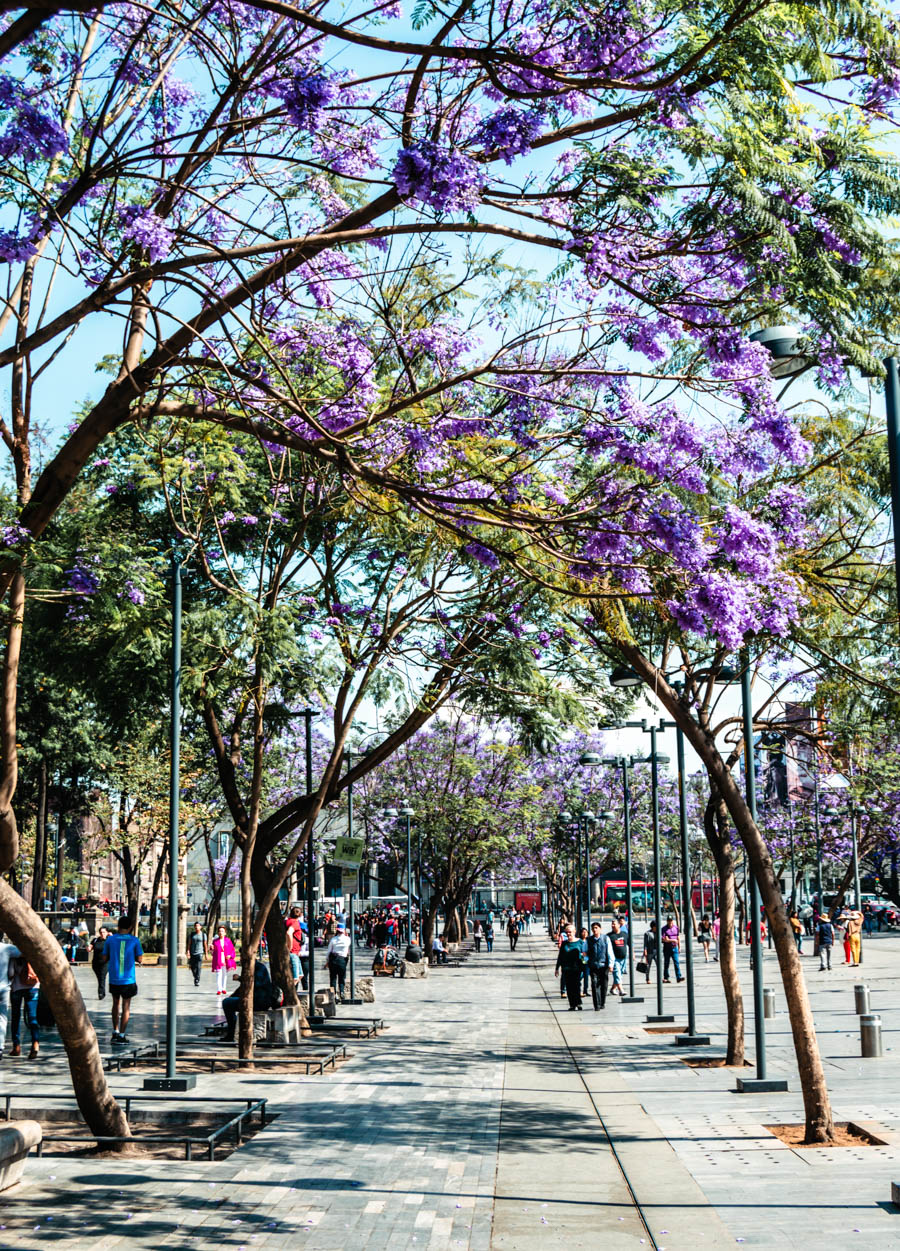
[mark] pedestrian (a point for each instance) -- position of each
(337, 953)
(797, 927)
(512, 932)
(600, 957)
(24, 993)
(618, 941)
(671, 939)
(585, 973)
(854, 935)
(99, 961)
(265, 996)
(197, 950)
(570, 961)
(489, 932)
(716, 929)
(224, 958)
(825, 936)
(292, 925)
(477, 934)
(304, 956)
(651, 949)
(806, 916)
(8, 952)
(704, 933)
(123, 953)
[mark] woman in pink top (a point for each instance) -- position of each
(223, 959)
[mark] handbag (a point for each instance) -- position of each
(641, 966)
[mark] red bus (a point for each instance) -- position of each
(642, 898)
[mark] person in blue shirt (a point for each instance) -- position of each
(124, 953)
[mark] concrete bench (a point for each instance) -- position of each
(284, 1025)
(16, 1140)
(325, 1002)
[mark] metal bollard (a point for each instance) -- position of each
(870, 1037)
(861, 995)
(768, 1002)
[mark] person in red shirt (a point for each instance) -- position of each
(292, 924)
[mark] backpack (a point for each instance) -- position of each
(26, 973)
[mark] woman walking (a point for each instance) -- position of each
(24, 991)
(224, 958)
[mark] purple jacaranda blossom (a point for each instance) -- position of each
(510, 132)
(82, 581)
(443, 178)
(145, 228)
(483, 555)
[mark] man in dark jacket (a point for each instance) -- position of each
(265, 995)
(825, 935)
(570, 961)
(599, 962)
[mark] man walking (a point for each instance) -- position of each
(123, 953)
(599, 961)
(337, 953)
(512, 932)
(197, 948)
(671, 943)
(825, 935)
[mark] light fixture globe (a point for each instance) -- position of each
(624, 676)
(590, 758)
(407, 812)
(783, 345)
(589, 816)
(565, 816)
(390, 813)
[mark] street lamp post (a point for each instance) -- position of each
(408, 813)
(760, 1082)
(183, 1081)
(308, 714)
(691, 1038)
(583, 876)
(626, 795)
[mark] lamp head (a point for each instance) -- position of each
(589, 816)
(783, 345)
(590, 758)
(390, 813)
(624, 676)
(565, 816)
(407, 812)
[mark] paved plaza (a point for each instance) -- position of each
(488, 1117)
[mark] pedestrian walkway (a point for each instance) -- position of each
(488, 1117)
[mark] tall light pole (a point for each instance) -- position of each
(184, 1081)
(408, 813)
(308, 714)
(626, 763)
(691, 1038)
(760, 1082)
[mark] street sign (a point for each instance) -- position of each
(348, 852)
(349, 882)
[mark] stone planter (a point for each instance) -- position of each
(16, 1140)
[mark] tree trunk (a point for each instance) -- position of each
(261, 877)
(215, 905)
(154, 889)
(817, 1106)
(25, 928)
(715, 825)
(39, 873)
(130, 876)
(428, 925)
(248, 966)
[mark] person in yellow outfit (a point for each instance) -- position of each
(854, 930)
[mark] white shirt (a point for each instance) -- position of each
(7, 953)
(304, 945)
(339, 946)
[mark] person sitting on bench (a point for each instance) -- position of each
(385, 962)
(438, 951)
(265, 995)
